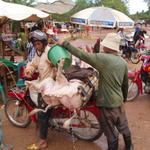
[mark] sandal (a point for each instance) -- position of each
(35, 147)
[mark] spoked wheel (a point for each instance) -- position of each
(135, 57)
(133, 90)
(17, 114)
(88, 126)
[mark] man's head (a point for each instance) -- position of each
(50, 32)
(111, 43)
(39, 40)
(51, 36)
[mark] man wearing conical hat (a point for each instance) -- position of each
(113, 88)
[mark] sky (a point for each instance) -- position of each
(134, 5)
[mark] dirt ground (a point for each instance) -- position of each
(137, 113)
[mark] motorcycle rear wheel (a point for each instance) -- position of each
(133, 90)
(91, 129)
(18, 115)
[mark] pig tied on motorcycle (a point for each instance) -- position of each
(72, 88)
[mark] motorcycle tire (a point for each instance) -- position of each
(135, 59)
(18, 115)
(91, 129)
(133, 90)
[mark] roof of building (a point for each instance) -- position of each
(58, 7)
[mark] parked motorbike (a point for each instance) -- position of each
(139, 81)
(86, 125)
(140, 44)
(132, 50)
(129, 51)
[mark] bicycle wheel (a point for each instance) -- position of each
(89, 128)
(17, 114)
(135, 58)
(133, 90)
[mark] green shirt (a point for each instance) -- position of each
(113, 75)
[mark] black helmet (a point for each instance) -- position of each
(38, 35)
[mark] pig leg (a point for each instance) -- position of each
(67, 122)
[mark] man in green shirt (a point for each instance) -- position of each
(113, 88)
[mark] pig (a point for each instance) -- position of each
(62, 91)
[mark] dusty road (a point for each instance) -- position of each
(137, 112)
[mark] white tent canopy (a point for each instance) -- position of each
(102, 17)
(19, 12)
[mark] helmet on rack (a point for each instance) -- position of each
(38, 35)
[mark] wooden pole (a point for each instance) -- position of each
(1, 45)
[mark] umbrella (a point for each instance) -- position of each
(102, 17)
(19, 12)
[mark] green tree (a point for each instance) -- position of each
(120, 5)
(23, 2)
(148, 3)
(143, 15)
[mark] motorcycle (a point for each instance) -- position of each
(139, 81)
(140, 44)
(129, 51)
(85, 126)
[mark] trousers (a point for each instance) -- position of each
(114, 121)
(43, 119)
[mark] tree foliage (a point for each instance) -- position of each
(143, 15)
(23, 2)
(116, 4)
(148, 3)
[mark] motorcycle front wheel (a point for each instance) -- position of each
(17, 114)
(89, 128)
(133, 90)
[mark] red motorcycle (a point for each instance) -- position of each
(86, 125)
(139, 81)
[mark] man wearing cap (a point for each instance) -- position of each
(51, 37)
(113, 88)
